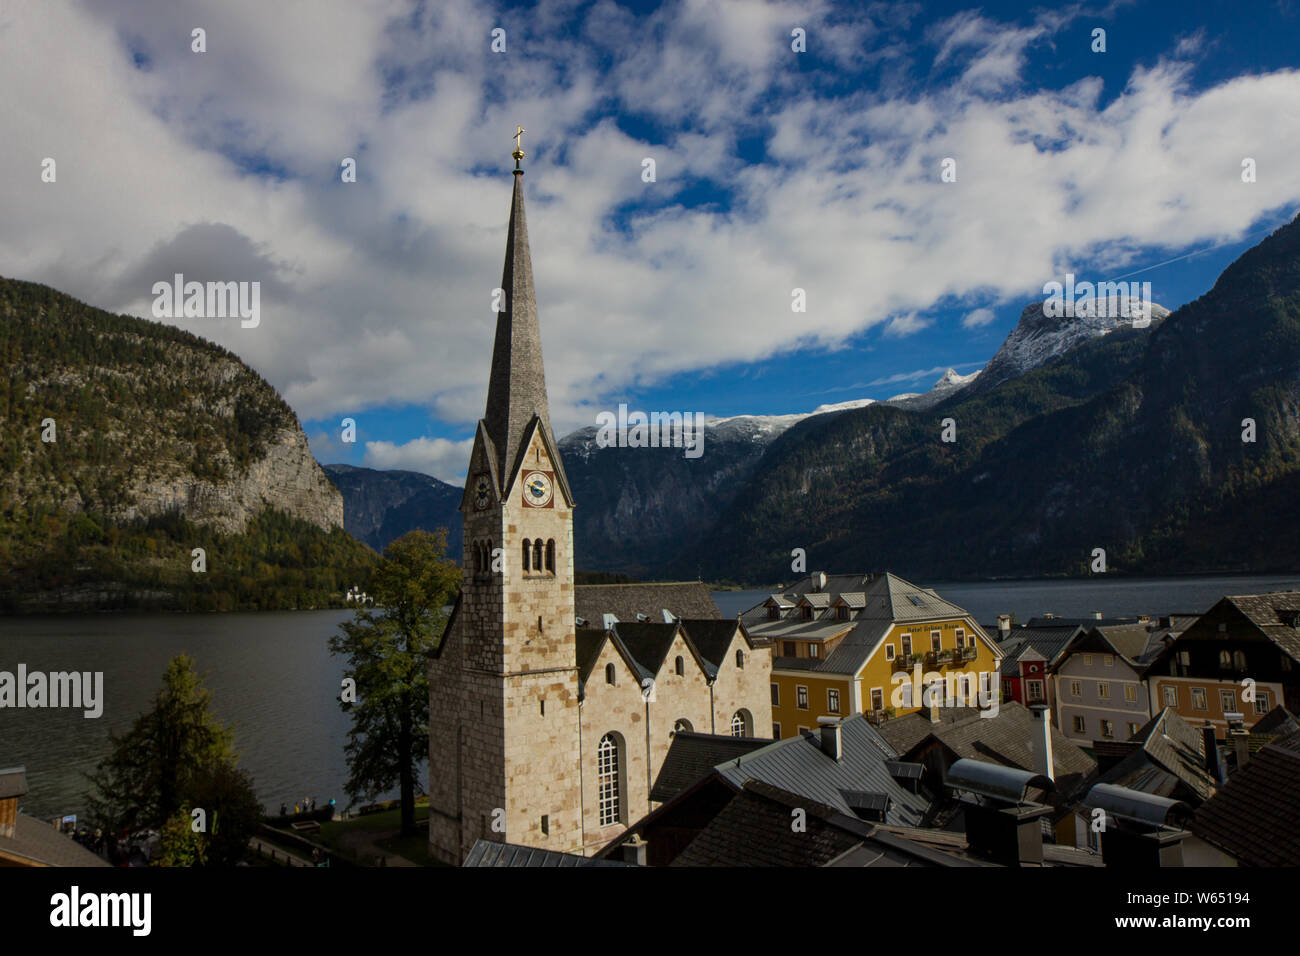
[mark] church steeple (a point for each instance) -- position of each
(517, 387)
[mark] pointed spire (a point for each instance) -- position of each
(517, 387)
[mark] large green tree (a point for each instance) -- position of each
(175, 757)
(386, 651)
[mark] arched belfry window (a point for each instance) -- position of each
(550, 555)
(528, 551)
(609, 673)
(608, 780)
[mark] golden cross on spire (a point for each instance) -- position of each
(518, 154)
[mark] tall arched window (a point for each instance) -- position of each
(537, 555)
(607, 780)
(528, 551)
(740, 659)
(680, 666)
(741, 724)
(550, 555)
(609, 673)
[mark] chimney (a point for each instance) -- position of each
(819, 581)
(934, 711)
(832, 741)
(1096, 615)
(1042, 741)
(13, 787)
(1141, 830)
(1004, 625)
(634, 851)
(1001, 823)
(1239, 738)
(1212, 764)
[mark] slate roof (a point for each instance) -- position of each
(1169, 762)
(798, 765)
(1084, 622)
(754, 830)
(1129, 640)
(711, 638)
(37, 841)
(13, 782)
(1255, 817)
(684, 599)
(692, 756)
(647, 643)
(1048, 641)
(1276, 614)
(1279, 720)
(489, 853)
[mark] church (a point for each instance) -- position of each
(552, 706)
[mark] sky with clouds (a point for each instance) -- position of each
(775, 170)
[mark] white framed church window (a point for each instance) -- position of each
(607, 780)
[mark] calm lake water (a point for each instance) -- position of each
(272, 676)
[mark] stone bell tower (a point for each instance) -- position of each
(503, 695)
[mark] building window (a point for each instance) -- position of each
(683, 726)
(1006, 688)
(1087, 660)
(1184, 658)
(607, 780)
(889, 652)
(1035, 691)
(906, 696)
(609, 673)
(740, 659)
(807, 612)
(842, 613)
(789, 649)
(1228, 701)
(961, 637)
(1078, 725)
(1261, 702)
(1171, 695)
(1107, 728)
(1130, 693)
(550, 555)
(801, 697)
(877, 699)
(1103, 690)
(528, 551)
(1225, 660)
(1108, 660)
(773, 612)
(1198, 698)
(1076, 689)
(814, 650)
(776, 695)
(833, 701)
(679, 666)
(741, 725)
(906, 641)
(546, 824)
(1239, 660)
(776, 731)
(1132, 729)
(936, 641)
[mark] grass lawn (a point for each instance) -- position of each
(414, 848)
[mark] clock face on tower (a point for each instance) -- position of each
(482, 492)
(537, 489)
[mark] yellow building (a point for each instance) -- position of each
(871, 644)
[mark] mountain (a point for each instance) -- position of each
(379, 506)
(1131, 441)
(1039, 338)
(128, 443)
(949, 384)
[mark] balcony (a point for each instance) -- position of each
(962, 654)
(935, 659)
(904, 662)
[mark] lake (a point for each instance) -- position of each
(272, 676)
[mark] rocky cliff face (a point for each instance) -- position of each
(379, 506)
(128, 419)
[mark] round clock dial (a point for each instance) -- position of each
(482, 492)
(537, 489)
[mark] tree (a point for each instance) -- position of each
(174, 757)
(386, 652)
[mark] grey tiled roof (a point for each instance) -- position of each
(1048, 641)
(39, 842)
(798, 765)
(491, 853)
(1169, 763)
(1255, 817)
(683, 599)
(647, 643)
(692, 756)
(1273, 614)
(13, 782)
(711, 638)
(1279, 720)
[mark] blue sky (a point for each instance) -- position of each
(775, 170)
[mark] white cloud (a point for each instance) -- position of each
(908, 324)
(439, 457)
(978, 318)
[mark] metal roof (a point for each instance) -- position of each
(994, 780)
(1126, 804)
